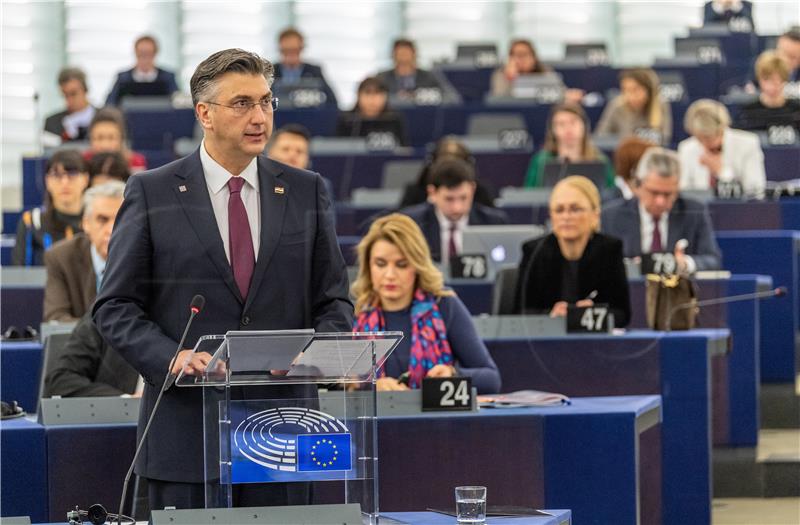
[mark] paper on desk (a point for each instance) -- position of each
(523, 398)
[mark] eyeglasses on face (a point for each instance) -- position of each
(243, 107)
(60, 174)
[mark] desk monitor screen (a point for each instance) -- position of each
(557, 170)
(157, 88)
(502, 244)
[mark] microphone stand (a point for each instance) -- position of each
(777, 292)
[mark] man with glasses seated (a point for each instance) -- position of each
(60, 216)
(658, 217)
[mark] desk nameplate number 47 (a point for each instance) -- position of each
(469, 266)
(588, 319)
(446, 393)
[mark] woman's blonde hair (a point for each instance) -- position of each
(585, 187)
(707, 118)
(648, 79)
(401, 231)
(770, 63)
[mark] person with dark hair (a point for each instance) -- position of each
(405, 77)
(451, 207)
(626, 159)
(371, 114)
(290, 145)
(59, 218)
(87, 366)
(522, 60)
(73, 122)
(575, 264)
(788, 48)
(292, 70)
(75, 266)
(449, 146)
(638, 109)
(107, 166)
(772, 108)
(107, 133)
(737, 14)
(144, 79)
(568, 139)
(253, 236)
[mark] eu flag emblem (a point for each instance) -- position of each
(322, 452)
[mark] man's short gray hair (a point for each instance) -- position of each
(204, 80)
(113, 189)
(661, 161)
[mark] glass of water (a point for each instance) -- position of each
(471, 504)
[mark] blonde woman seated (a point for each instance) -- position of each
(575, 264)
(399, 289)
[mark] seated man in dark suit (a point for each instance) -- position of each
(737, 14)
(75, 266)
(73, 122)
(145, 79)
(292, 71)
(450, 208)
(405, 78)
(87, 366)
(659, 217)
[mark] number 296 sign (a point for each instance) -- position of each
(588, 319)
(447, 393)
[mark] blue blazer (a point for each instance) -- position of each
(166, 247)
(126, 77)
(308, 71)
(688, 220)
(425, 215)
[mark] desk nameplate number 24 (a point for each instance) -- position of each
(446, 393)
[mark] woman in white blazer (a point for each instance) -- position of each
(717, 157)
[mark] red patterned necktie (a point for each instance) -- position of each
(655, 246)
(451, 245)
(243, 259)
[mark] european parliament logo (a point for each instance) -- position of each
(288, 444)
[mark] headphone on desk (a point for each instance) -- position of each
(97, 515)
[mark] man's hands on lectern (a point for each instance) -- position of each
(193, 363)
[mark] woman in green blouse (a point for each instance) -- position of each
(568, 138)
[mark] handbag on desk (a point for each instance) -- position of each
(671, 302)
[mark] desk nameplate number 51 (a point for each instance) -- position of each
(588, 319)
(446, 393)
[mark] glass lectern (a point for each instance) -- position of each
(293, 407)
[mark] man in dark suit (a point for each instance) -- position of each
(250, 234)
(75, 266)
(87, 366)
(405, 77)
(451, 207)
(291, 71)
(659, 217)
(145, 79)
(73, 122)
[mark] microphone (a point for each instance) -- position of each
(777, 292)
(198, 301)
(564, 167)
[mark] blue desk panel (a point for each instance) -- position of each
(676, 365)
(20, 368)
(777, 254)
(21, 306)
(23, 470)
(540, 447)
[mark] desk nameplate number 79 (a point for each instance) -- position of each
(446, 393)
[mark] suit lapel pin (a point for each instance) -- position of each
(182, 188)
(279, 190)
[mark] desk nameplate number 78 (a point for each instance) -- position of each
(446, 393)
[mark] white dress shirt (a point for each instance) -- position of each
(217, 181)
(444, 233)
(646, 233)
(742, 161)
(141, 76)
